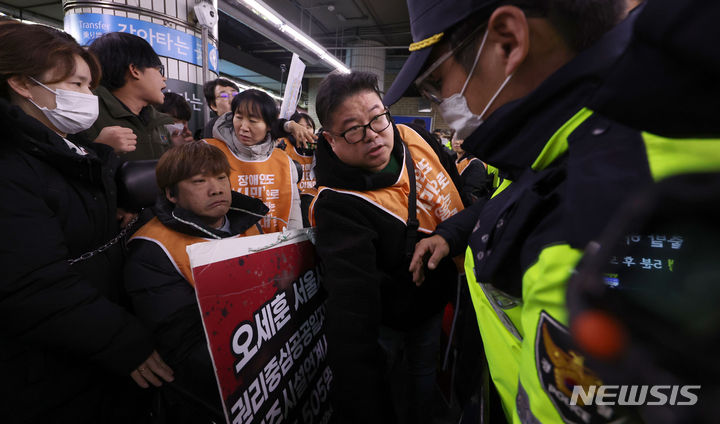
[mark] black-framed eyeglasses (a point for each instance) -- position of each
(357, 133)
(161, 69)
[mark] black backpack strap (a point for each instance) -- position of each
(412, 222)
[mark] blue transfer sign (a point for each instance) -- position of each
(86, 27)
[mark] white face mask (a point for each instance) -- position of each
(174, 129)
(455, 110)
(74, 112)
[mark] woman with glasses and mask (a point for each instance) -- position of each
(70, 351)
(381, 188)
(259, 169)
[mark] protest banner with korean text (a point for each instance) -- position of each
(263, 310)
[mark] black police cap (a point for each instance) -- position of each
(429, 19)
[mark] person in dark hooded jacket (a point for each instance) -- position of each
(196, 204)
(69, 349)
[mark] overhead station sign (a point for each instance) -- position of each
(168, 42)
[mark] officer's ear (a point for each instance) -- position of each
(171, 194)
(509, 34)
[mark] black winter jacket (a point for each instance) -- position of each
(67, 346)
(476, 183)
(165, 301)
(362, 249)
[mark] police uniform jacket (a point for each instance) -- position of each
(570, 169)
(68, 347)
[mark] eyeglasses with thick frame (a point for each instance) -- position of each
(431, 90)
(161, 69)
(357, 133)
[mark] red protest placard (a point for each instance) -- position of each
(263, 313)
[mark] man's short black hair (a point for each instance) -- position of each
(209, 89)
(580, 23)
(256, 103)
(176, 106)
(297, 116)
(337, 87)
(116, 51)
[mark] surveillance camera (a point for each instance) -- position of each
(206, 14)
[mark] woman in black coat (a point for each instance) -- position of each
(69, 351)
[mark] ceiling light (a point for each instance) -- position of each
(264, 11)
(270, 15)
(300, 38)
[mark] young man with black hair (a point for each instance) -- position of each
(132, 81)
(196, 204)
(513, 79)
(219, 94)
(381, 188)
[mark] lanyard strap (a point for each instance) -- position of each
(412, 222)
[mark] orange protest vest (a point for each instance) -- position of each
(174, 243)
(269, 180)
(463, 164)
(307, 180)
(437, 196)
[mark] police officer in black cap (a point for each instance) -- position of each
(513, 78)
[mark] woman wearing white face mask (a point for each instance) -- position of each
(70, 351)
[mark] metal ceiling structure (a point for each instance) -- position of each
(45, 11)
(335, 25)
(252, 52)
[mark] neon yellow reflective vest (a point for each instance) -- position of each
(532, 360)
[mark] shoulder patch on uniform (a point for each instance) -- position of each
(560, 367)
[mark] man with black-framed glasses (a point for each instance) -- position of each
(381, 187)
